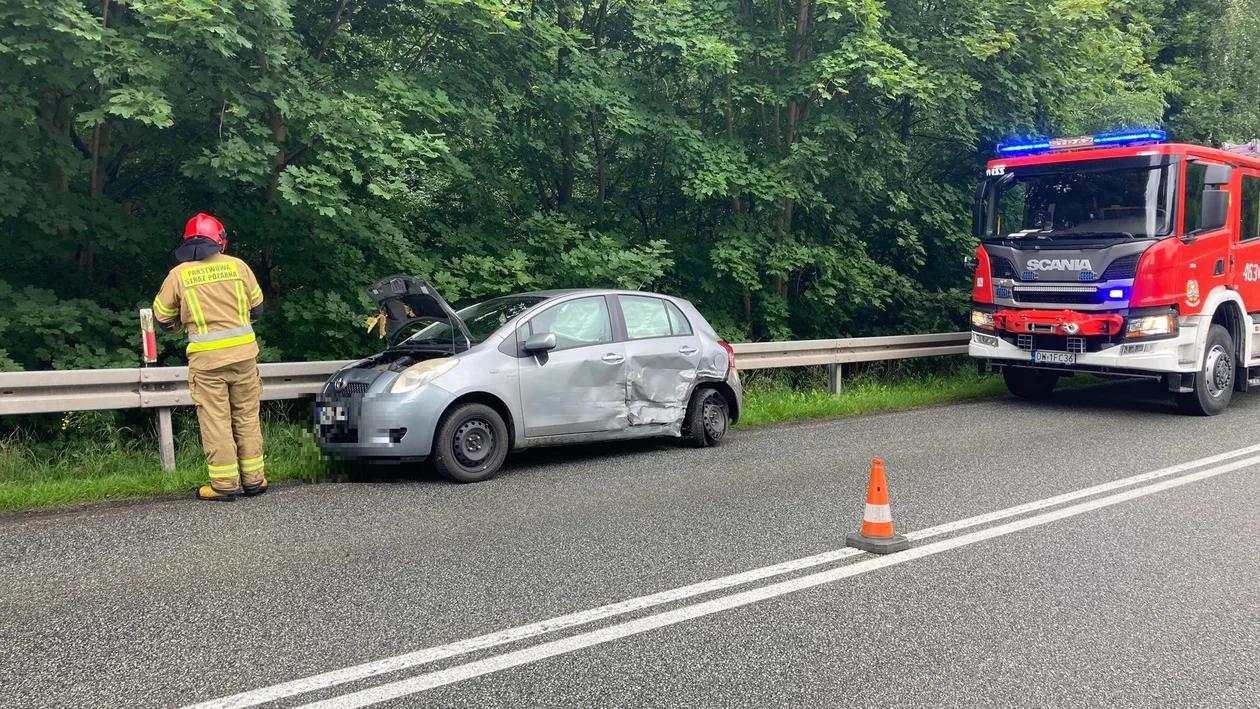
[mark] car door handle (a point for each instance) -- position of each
(687, 350)
(613, 358)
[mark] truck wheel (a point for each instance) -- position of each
(1214, 384)
(470, 443)
(1029, 383)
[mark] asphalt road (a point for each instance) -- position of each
(1152, 601)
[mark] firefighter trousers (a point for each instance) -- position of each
(227, 408)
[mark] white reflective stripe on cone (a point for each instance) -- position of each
(220, 334)
(878, 513)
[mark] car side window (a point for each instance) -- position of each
(575, 323)
(645, 317)
(677, 321)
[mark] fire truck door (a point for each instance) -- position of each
(1245, 274)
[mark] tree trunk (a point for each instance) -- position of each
(565, 191)
(730, 134)
(602, 167)
(907, 113)
(795, 111)
(279, 129)
(94, 183)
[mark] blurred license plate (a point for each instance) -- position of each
(1054, 357)
(328, 415)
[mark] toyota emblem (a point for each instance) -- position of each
(339, 384)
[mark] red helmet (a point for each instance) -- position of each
(206, 226)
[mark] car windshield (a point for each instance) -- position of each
(481, 319)
(1082, 200)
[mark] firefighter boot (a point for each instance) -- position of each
(206, 492)
(254, 489)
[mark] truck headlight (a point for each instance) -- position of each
(417, 375)
(1151, 326)
(982, 320)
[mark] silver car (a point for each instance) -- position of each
(519, 371)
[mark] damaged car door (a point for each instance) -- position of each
(662, 355)
(572, 374)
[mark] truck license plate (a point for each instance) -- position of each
(1040, 357)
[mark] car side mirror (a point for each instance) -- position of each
(1215, 210)
(542, 342)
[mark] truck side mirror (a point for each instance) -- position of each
(1218, 175)
(977, 209)
(1215, 209)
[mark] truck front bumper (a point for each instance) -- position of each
(1178, 354)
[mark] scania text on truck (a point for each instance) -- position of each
(1120, 254)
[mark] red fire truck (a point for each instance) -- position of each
(1120, 254)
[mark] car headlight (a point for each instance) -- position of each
(417, 375)
(1152, 326)
(982, 320)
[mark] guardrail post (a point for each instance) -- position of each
(166, 439)
(834, 383)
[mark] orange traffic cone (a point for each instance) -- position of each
(877, 527)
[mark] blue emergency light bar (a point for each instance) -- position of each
(1111, 140)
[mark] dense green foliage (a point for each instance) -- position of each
(797, 169)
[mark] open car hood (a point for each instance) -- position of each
(408, 301)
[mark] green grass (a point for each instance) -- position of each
(782, 404)
(59, 473)
(100, 461)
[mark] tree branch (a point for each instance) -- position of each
(332, 29)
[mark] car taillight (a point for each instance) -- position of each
(730, 352)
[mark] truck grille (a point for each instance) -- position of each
(1068, 295)
(1123, 267)
(1061, 343)
(1001, 267)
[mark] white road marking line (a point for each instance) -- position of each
(527, 655)
(433, 654)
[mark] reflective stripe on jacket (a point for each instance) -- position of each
(211, 300)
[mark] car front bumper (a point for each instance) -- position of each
(382, 426)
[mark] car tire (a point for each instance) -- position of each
(470, 443)
(708, 418)
(1214, 384)
(1029, 383)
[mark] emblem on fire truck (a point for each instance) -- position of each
(1192, 292)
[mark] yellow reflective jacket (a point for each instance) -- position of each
(211, 300)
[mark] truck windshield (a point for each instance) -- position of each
(1081, 200)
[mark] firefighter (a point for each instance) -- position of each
(215, 298)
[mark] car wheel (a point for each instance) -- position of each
(1029, 383)
(708, 418)
(1214, 384)
(470, 444)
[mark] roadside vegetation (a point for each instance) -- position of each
(98, 456)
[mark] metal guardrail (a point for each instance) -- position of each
(152, 387)
(162, 388)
